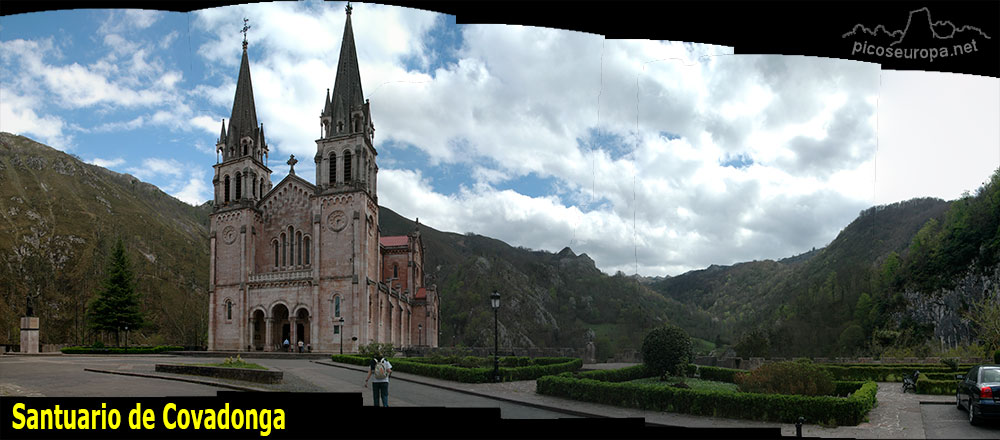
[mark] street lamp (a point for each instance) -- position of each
(419, 339)
(342, 335)
(495, 302)
(126, 339)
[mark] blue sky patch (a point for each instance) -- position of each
(738, 161)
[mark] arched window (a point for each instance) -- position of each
(253, 187)
(229, 309)
(336, 306)
(244, 149)
(395, 271)
(298, 245)
(226, 190)
(347, 166)
(291, 245)
(308, 249)
(333, 168)
(284, 249)
(239, 187)
(261, 187)
(275, 253)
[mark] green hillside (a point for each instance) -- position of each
(58, 219)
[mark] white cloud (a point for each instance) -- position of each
(106, 163)
(19, 115)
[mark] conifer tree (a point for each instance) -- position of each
(116, 306)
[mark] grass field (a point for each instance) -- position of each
(695, 384)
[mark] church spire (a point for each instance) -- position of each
(243, 122)
(347, 94)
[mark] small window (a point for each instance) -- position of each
(395, 271)
(275, 253)
(291, 244)
(239, 187)
(226, 189)
(262, 187)
(284, 249)
(336, 306)
(336, 329)
(308, 249)
(229, 309)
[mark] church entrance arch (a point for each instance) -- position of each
(302, 327)
(280, 330)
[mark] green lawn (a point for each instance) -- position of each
(695, 384)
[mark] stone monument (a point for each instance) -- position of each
(29, 329)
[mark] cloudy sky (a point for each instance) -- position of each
(650, 156)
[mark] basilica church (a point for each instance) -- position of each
(305, 261)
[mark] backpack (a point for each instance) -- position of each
(381, 372)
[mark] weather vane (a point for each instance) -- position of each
(246, 27)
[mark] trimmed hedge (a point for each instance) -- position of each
(720, 374)
(883, 373)
(471, 375)
(120, 350)
(753, 406)
(618, 375)
(940, 387)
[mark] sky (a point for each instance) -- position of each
(652, 157)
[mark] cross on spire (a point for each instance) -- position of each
(348, 8)
(246, 27)
(291, 164)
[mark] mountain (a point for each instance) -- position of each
(61, 215)
(59, 218)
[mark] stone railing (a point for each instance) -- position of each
(281, 276)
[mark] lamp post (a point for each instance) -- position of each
(126, 339)
(420, 327)
(341, 335)
(495, 302)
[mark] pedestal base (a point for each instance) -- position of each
(29, 334)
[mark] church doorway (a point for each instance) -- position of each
(302, 328)
(280, 329)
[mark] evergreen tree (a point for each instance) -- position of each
(116, 306)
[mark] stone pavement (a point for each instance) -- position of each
(896, 416)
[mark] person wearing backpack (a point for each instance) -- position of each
(381, 369)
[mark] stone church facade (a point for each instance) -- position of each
(302, 260)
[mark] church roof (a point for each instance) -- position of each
(347, 93)
(243, 121)
(421, 293)
(394, 240)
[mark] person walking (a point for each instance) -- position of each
(381, 369)
(286, 344)
(302, 346)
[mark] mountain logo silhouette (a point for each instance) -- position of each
(921, 24)
(922, 37)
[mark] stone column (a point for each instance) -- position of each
(253, 327)
(292, 340)
(29, 334)
(268, 334)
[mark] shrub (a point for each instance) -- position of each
(944, 387)
(667, 350)
(515, 361)
(803, 378)
(753, 406)
(472, 362)
(477, 374)
(996, 357)
(719, 374)
(121, 350)
(951, 363)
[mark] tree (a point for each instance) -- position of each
(667, 350)
(116, 306)
(986, 315)
(753, 344)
